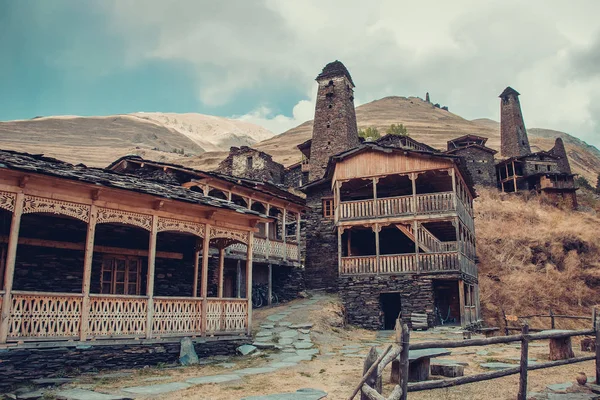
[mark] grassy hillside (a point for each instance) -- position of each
(535, 257)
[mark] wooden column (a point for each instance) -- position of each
(413, 179)
(268, 239)
(416, 235)
(514, 176)
(229, 196)
(196, 265)
(221, 270)
(87, 273)
(204, 276)
(461, 299)
(11, 256)
(454, 189)
(298, 224)
(477, 310)
(376, 229)
(375, 204)
(150, 285)
(336, 201)
(339, 230)
(238, 280)
(270, 284)
(249, 279)
(284, 234)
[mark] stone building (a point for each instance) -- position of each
(246, 162)
(547, 173)
(479, 159)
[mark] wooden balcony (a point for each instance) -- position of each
(269, 249)
(452, 261)
(35, 316)
(431, 203)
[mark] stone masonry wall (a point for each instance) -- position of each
(361, 297)
(293, 177)
(321, 269)
(560, 151)
(262, 167)
(18, 366)
(288, 282)
(334, 126)
(513, 136)
(480, 164)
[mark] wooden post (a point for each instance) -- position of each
(268, 239)
(461, 299)
(298, 219)
(373, 380)
(196, 264)
(552, 324)
(238, 280)
(413, 178)
(404, 362)
(524, 361)
(204, 277)
(505, 323)
(395, 374)
(270, 284)
(150, 283)
(376, 228)
(597, 352)
(416, 235)
(87, 273)
(339, 229)
(221, 268)
(284, 234)
(9, 273)
(375, 203)
(514, 176)
(454, 191)
(249, 279)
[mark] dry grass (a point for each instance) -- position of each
(534, 257)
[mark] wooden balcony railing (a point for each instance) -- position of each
(59, 316)
(272, 248)
(408, 263)
(430, 203)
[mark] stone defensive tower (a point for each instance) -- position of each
(513, 136)
(334, 127)
(560, 151)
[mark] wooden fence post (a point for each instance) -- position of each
(404, 362)
(552, 323)
(505, 323)
(373, 380)
(524, 361)
(597, 353)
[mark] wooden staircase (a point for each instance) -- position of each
(427, 241)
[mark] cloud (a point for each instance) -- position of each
(463, 52)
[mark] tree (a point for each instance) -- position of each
(370, 132)
(399, 130)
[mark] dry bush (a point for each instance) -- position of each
(535, 257)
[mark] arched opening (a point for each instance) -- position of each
(239, 200)
(196, 189)
(262, 228)
(174, 265)
(218, 194)
(276, 226)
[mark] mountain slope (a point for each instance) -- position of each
(97, 141)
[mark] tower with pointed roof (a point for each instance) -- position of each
(513, 136)
(334, 126)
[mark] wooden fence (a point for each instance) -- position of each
(553, 317)
(370, 384)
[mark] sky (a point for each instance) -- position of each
(256, 60)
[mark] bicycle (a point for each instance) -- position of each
(260, 296)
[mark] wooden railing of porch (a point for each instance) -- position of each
(59, 316)
(269, 249)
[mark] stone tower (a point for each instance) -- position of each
(513, 136)
(334, 126)
(563, 161)
(427, 97)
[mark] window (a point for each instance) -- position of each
(249, 162)
(121, 275)
(548, 167)
(328, 208)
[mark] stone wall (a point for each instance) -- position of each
(288, 282)
(361, 297)
(321, 269)
(480, 165)
(536, 164)
(513, 135)
(253, 164)
(18, 366)
(560, 151)
(294, 177)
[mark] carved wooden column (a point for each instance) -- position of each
(11, 255)
(221, 268)
(87, 273)
(204, 286)
(196, 265)
(284, 234)
(416, 235)
(455, 193)
(461, 299)
(337, 203)
(340, 230)
(150, 285)
(376, 229)
(238, 279)
(268, 239)
(270, 283)
(249, 279)
(413, 178)
(298, 227)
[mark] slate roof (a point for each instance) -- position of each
(333, 70)
(508, 91)
(271, 189)
(484, 148)
(467, 137)
(37, 163)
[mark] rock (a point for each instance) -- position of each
(297, 359)
(303, 345)
(226, 365)
(560, 387)
(304, 331)
(264, 334)
(285, 341)
(80, 394)
(305, 325)
(284, 324)
(202, 380)
(307, 352)
(581, 378)
(38, 394)
(282, 364)
(288, 334)
(302, 394)
(114, 375)
(157, 389)
(497, 365)
(448, 370)
(267, 326)
(275, 317)
(264, 345)
(52, 381)
(187, 353)
(255, 371)
(246, 349)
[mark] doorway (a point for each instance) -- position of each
(447, 304)
(390, 305)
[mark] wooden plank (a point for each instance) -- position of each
(87, 273)
(150, 282)
(57, 244)
(11, 256)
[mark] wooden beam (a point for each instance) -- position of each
(249, 251)
(221, 268)
(87, 272)
(150, 282)
(11, 256)
(57, 244)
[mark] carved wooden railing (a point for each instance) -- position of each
(292, 251)
(433, 262)
(117, 316)
(277, 248)
(465, 216)
(429, 203)
(177, 315)
(358, 265)
(44, 315)
(269, 249)
(261, 246)
(226, 316)
(397, 263)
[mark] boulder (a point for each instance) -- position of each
(187, 353)
(448, 370)
(246, 349)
